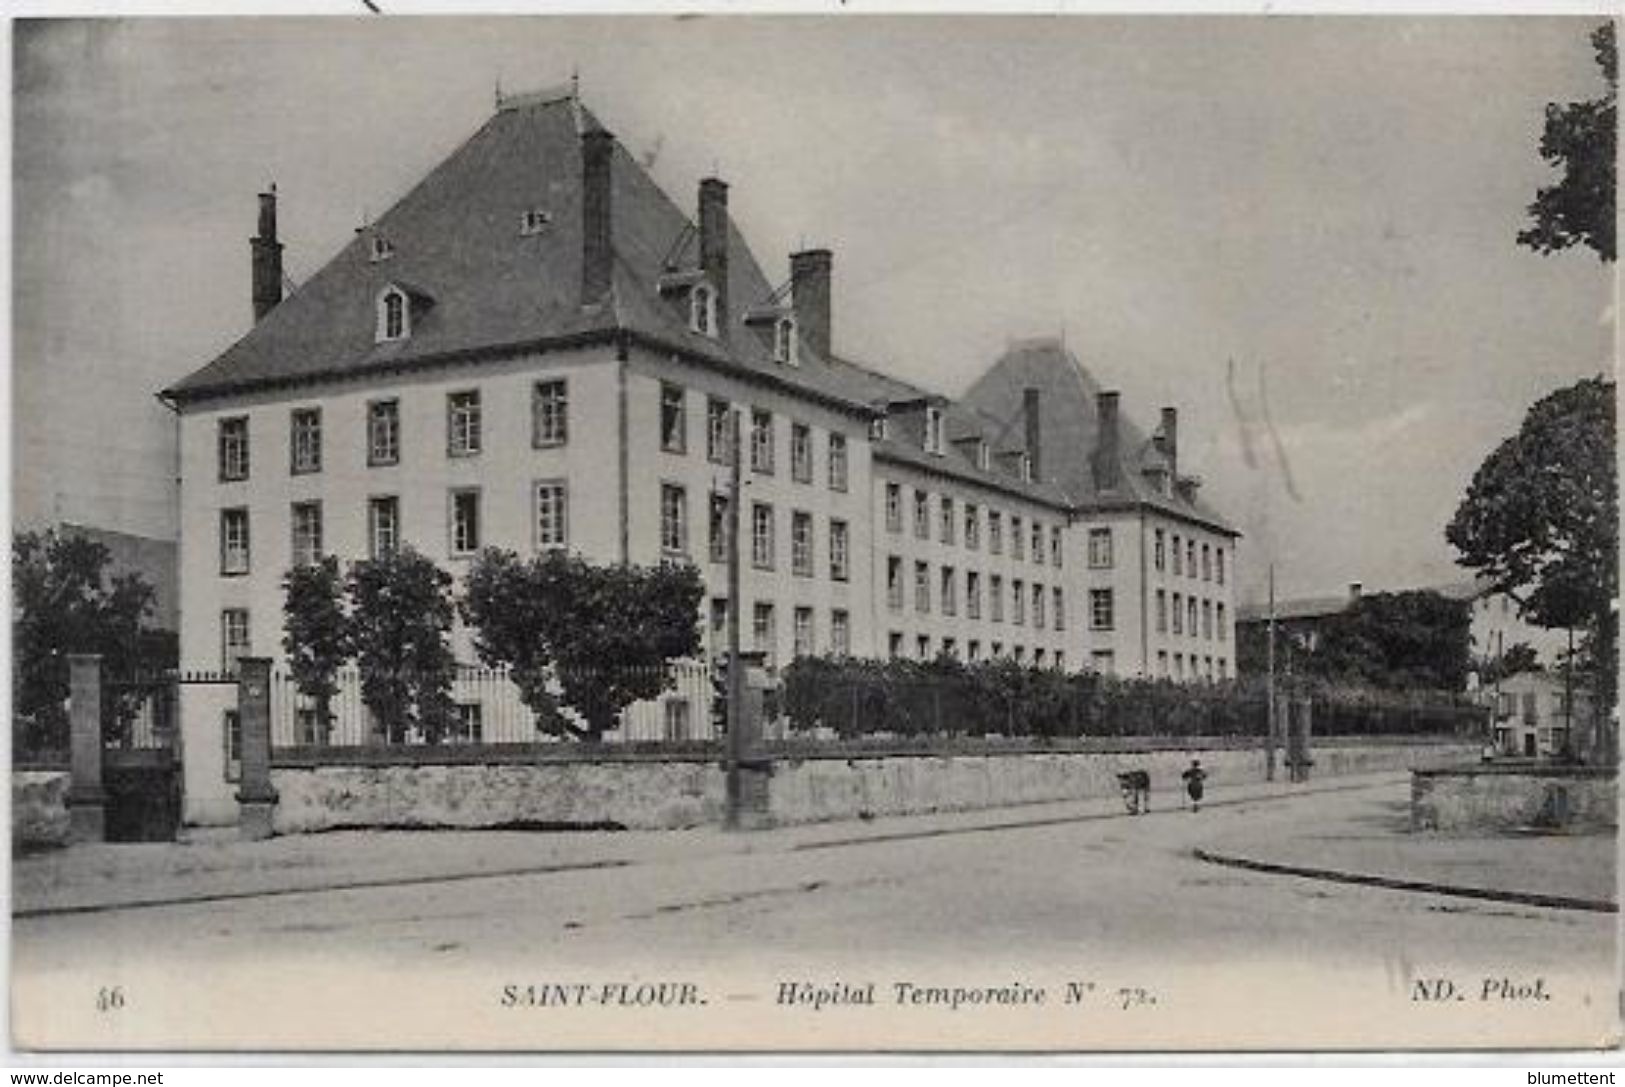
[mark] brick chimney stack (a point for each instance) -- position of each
(267, 259)
(1108, 456)
(597, 216)
(1029, 409)
(714, 243)
(810, 280)
(1170, 440)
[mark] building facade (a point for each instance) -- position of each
(535, 348)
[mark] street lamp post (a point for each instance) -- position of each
(736, 667)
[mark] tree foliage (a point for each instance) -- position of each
(316, 632)
(400, 618)
(602, 634)
(1408, 640)
(65, 601)
(1515, 659)
(1541, 521)
(1580, 138)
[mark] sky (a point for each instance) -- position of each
(1303, 221)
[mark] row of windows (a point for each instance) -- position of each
(674, 534)
(804, 639)
(1186, 611)
(1200, 667)
(1185, 558)
(1032, 540)
(927, 649)
(947, 584)
(550, 427)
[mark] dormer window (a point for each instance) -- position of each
(381, 249)
(533, 221)
(394, 315)
(933, 430)
(1026, 468)
(784, 342)
(981, 455)
(702, 310)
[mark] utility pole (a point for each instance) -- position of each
(1269, 726)
(736, 667)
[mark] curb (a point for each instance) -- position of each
(324, 888)
(1390, 883)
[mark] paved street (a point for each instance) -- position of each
(1203, 956)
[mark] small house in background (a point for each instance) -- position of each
(1532, 716)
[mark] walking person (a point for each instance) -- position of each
(1194, 777)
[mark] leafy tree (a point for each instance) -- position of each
(1540, 521)
(1580, 137)
(400, 617)
(1408, 640)
(316, 633)
(604, 634)
(64, 601)
(1516, 659)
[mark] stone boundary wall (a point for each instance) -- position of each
(39, 809)
(1503, 798)
(645, 790)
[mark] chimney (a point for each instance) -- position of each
(1029, 404)
(1355, 588)
(714, 243)
(597, 216)
(810, 297)
(267, 252)
(1170, 440)
(1108, 460)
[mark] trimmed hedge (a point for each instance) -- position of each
(854, 697)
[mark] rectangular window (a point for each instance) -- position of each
(1100, 549)
(1179, 613)
(1207, 564)
(468, 724)
(837, 462)
(1060, 608)
(234, 643)
(718, 431)
(922, 515)
(764, 630)
(801, 543)
(1179, 666)
(719, 624)
(678, 723)
(233, 448)
(995, 532)
(1038, 606)
(1018, 602)
(839, 551)
(761, 536)
(922, 647)
(234, 541)
(1207, 620)
(1162, 662)
(1159, 557)
(383, 432)
(463, 423)
(1038, 658)
(465, 521)
(307, 532)
(946, 519)
(950, 648)
(973, 594)
(383, 526)
(1190, 558)
(894, 583)
(761, 441)
(673, 519)
(973, 650)
(803, 633)
(973, 527)
(1100, 609)
(1162, 611)
(673, 419)
(894, 508)
(840, 633)
(552, 514)
(1055, 545)
(549, 414)
(1178, 562)
(995, 597)
(1218, 618)
(1017, 541)
(1103, 661)
(1218, 571)
(1224, 669)
(1190, 616)
(1038, 543)
(950, 593)
(922, 588)
(719, 528)
(894, 645)
(801, 458)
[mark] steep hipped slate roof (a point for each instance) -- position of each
(1069, 430)
(456, 240)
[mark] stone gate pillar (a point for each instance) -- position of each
(256, 799)
(87, 800)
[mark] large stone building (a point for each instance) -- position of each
(537, 348)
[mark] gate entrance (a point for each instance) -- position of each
(141, 765)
